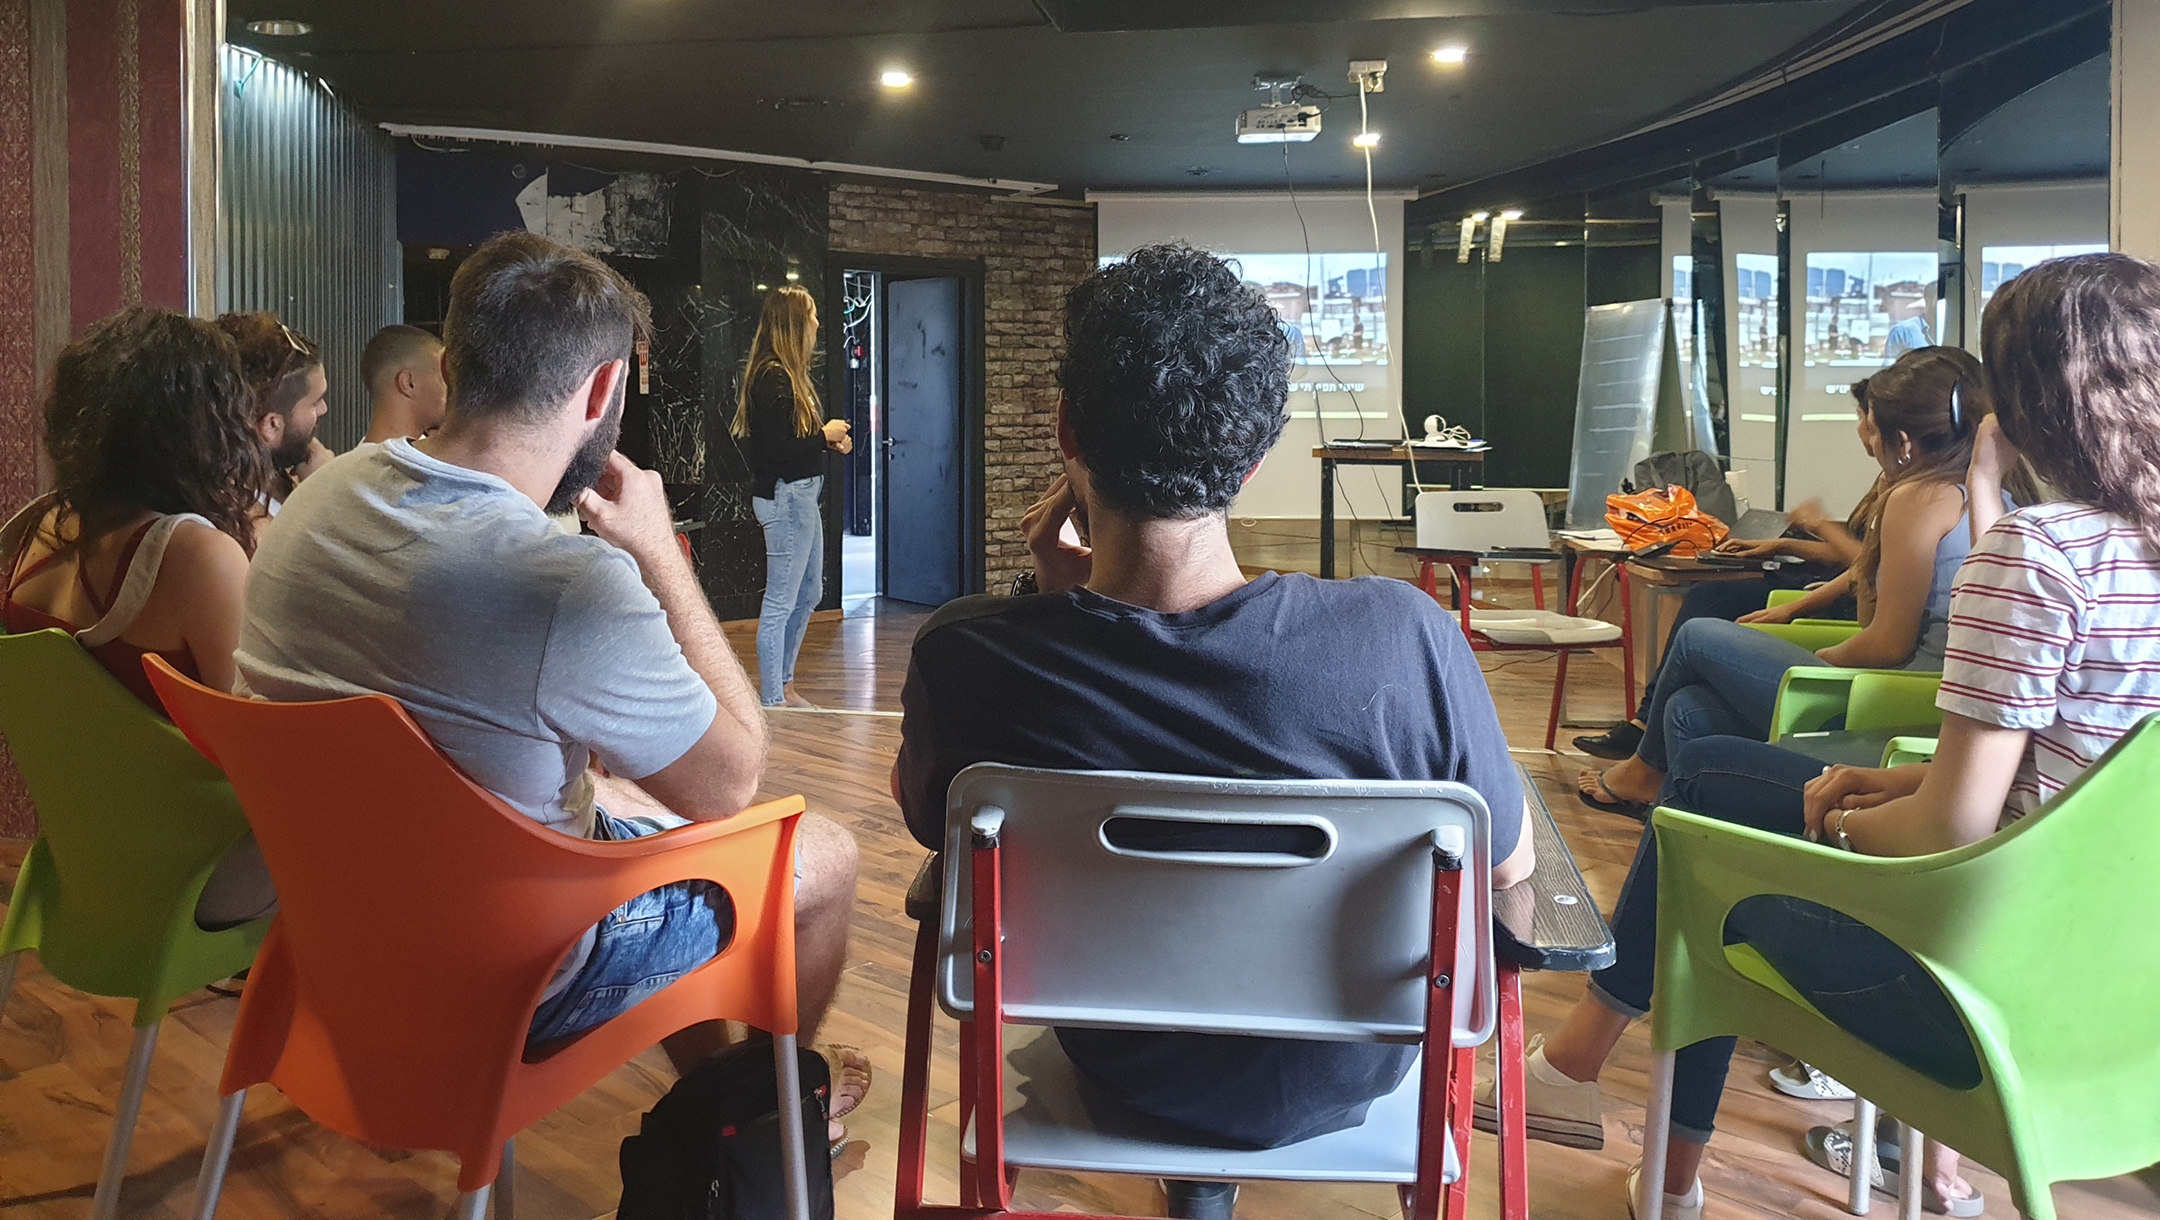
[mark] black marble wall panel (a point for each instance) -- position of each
(760, 228)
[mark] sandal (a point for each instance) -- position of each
(847, 1065)
(1614, 802)
(1831, 1148)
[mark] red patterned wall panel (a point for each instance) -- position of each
(18, 348)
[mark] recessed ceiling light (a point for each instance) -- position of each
(1511, 214)
(1451, 54)
(1366, 139)
(280, 29)
(894, 78)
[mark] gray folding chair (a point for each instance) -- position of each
(1056, 910)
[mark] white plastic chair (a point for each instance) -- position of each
(1054, 913)
(1462, 530)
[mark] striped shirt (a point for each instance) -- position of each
(2055, 628)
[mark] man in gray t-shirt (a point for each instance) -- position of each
(431, 572)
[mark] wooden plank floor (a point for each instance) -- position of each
(61, 1053)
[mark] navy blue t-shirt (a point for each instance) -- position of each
(1288, 677)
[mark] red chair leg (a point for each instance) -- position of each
(1627, 642)
(968, 1196)
(1426, 580)
(1559, 690)
(915, 1080)
(1514, 1121)
(1537, 585)
(1462, 1085)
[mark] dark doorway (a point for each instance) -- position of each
(909, 523)
(924, 454)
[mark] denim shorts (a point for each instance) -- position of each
(639, 948)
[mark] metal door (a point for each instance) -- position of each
(921, 547)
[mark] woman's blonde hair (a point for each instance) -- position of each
(782, 341)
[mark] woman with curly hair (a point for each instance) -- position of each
(142, 548)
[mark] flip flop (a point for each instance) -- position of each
(841, 1062)
(1637, 810)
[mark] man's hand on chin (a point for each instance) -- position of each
(628, 507)
(1062, 560)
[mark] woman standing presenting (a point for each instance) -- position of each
(778, 415)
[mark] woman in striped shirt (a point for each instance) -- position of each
(2052, 657)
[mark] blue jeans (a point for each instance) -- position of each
(1717, 679)
(794, 578)
(639, 948)
(1852, 974)
(1728, 600)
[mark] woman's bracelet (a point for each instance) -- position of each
(1838, 837)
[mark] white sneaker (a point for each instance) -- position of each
(1808, 1083)
(1557, 1110)
(1677, 1207)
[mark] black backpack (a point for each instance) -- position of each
(711, 1149)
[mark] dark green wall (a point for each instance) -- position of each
(1498, 348)
(1443, 342)
(1533, 356)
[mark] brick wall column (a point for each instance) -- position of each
(1032, 251)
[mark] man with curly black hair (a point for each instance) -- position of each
(1147, 649)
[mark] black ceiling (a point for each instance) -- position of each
(799, 79)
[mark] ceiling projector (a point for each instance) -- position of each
(1284, 123)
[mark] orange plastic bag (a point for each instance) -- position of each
(1647, 518)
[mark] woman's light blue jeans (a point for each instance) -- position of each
(1717, 679)
(794, 579)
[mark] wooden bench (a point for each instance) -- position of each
(1546, 922)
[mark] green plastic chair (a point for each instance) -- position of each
(1808, 633)
(1810, 696)
(132, 820)
(1811, 633)
(1904, 751)
(2038, 935)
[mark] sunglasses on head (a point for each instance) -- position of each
(301, 352)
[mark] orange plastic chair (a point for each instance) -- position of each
(420, 918)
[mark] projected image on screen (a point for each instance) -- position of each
(1333, 306)
(2001, 264)
(1866, 309)
(1755, 309)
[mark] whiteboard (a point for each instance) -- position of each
(1623, 357)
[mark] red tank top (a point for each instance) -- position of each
(124, 661)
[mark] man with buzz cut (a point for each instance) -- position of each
(429, 571)
(1146, 648)
(402, 368)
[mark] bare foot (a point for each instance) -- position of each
(1630, 779)
(850, 1070)
(790, 697)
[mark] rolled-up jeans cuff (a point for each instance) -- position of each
(1691, 1134)
(1613, 1002)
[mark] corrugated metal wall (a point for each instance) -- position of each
(309, 213)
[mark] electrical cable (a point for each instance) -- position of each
(1357, 408)
(1366, 148)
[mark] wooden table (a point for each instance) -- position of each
(1462, 466)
